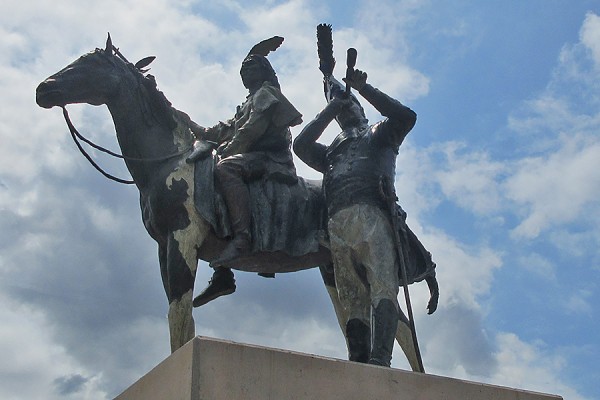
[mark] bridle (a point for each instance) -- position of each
(77, 137)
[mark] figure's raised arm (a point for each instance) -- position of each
(306, 146)
(399, 117)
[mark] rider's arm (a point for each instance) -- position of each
(220, 133)
(248, 134)
(261, 114)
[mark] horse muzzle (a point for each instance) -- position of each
(46, 96)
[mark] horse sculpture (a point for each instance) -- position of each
(155, 139)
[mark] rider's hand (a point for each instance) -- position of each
(221, 148)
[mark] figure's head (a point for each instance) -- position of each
(255, 70)
(351, 116)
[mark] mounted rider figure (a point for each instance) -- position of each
(253, 144)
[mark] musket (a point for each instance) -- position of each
(386, 188)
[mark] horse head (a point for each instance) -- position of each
(93, 78)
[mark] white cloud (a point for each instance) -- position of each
(538, 265)
(590, 35)
(557, 188)
(530, 366)
(470, 179)
(36, 362)
(580, 303)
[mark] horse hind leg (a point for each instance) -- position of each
(405, 340)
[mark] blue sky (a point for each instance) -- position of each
(499, 178)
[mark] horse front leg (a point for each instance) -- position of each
(180, 272)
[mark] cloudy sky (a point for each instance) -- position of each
(499, 177)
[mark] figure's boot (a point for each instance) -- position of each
(384, 323)
(221, 284)
(358, 336)
(237, 198)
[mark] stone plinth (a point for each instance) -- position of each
(209, 369)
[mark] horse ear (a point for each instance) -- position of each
(144, 62)
(109, 45)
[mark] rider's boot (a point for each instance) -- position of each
(384, 323)
(358, 337)
(237, 198)
(221, 284)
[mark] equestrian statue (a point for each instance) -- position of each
(227, 194)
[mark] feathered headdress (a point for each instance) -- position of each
(266, 46)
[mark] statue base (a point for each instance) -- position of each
(211, 369)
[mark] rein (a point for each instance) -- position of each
(78, 136)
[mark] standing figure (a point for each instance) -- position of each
(254, 143)
(362, 242)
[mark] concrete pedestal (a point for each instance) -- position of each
(209, 369)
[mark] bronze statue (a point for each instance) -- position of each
(255, 143)
(357, 167)
(182, 208)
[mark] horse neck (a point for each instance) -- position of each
(142, 137)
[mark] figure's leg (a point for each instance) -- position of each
(384, 325)
(378, 255)
(352, 293)
(403, 332)
(356, 332)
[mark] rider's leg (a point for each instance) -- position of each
(229, 173)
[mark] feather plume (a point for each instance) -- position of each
(266, 46)
(325, 49)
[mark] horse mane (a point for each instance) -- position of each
(159, 107)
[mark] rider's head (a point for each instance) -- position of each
(255, 70)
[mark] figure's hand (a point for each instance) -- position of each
(358, 80)
(434, 294)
